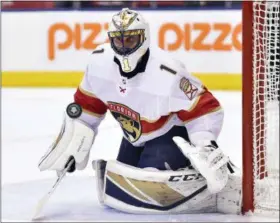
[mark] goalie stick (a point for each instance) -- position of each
(60, 175)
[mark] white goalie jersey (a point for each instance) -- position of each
(161, 95)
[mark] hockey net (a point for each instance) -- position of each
(261, 90)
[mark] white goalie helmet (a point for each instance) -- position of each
(129, 36)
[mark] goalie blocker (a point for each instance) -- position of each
(150, 191)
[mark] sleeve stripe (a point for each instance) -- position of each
(206, 103)
(89, 103)
(214, 110)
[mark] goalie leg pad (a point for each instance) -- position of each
(149, 191)
(143, 191)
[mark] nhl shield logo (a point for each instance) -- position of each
(128, 119)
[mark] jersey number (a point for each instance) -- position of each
(163, 67)
(126, 65)
(98, 51)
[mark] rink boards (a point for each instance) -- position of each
(54, 46)
(216, 81)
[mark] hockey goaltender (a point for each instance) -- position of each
(169, 160)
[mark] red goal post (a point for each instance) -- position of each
(260, 90)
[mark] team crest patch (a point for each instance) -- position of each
(129, 120)
(188, 88)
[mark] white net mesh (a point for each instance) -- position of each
(266, 72)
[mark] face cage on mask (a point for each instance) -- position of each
(126, 51)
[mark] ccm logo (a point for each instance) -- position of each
(188, 177)
(73, 37)
(201, 36)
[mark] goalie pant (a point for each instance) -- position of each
(161, 153)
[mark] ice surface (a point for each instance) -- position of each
(31, 119)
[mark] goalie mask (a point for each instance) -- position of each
(129, 38)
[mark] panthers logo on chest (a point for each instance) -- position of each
(129, 120)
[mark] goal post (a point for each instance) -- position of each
(260, 95)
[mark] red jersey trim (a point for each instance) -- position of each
(205, 104)
(90, 103)
(148, 126)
